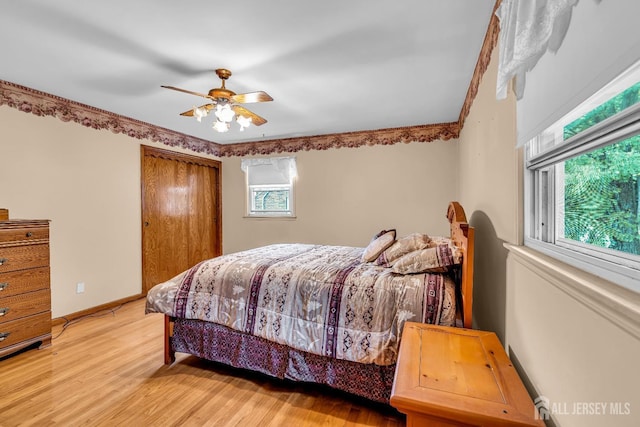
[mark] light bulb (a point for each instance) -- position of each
(199, 113)
(221, 126)
(224, 112)
(244, 122)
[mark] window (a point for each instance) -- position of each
(582, 185)
(270, 186)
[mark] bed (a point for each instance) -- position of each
(315, 313)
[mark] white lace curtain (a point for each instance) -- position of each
(270, 170)
(528, 28)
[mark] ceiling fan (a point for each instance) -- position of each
(225, 103)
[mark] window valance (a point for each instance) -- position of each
(270, 170)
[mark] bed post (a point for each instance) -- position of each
(463, 236)
(169, 354)
(467, 276)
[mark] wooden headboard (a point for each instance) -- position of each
(462, 235)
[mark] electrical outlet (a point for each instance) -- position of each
(79, 287)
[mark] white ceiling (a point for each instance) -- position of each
(331, 66)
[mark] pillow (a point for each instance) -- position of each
(401, 247)
(379, 243)
(440, 240)
(436, 259)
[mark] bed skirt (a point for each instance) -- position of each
(221, 344)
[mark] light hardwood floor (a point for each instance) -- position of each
(107, 370)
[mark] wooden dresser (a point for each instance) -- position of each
(458, 377)
(25, 295)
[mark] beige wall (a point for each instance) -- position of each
(489, 191)
(87, 182)
(344, 196)
(569, 348)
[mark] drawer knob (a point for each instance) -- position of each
(4, 335)
(3, 311)
(3, 260)
(29, 234)
(3, 286)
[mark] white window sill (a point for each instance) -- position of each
(618, 270)
(270, 217)
(619, 305)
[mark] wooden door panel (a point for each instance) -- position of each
(150, 207)
(203, 214)
(168, 219)
(180, 213)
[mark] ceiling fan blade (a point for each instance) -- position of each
(186, 91)
(246, 98)
(189, 113)
(255, 119)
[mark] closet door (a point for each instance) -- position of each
(181, 216)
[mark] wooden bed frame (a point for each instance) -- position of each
(462, 235)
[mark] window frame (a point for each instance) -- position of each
(544, 187)
(250, 211)
(253, 213)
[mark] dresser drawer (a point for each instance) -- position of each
(24, 329)
(23, 257)
(24, 234)
(17, 282)
(24, 305)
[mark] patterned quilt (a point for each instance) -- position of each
(319, 299)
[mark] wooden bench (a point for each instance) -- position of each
(458, 377)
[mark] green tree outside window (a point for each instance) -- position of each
(602, 187)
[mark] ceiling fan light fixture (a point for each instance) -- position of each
(224, 112)
(221, 126)
(244, 122)
(225, 105)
